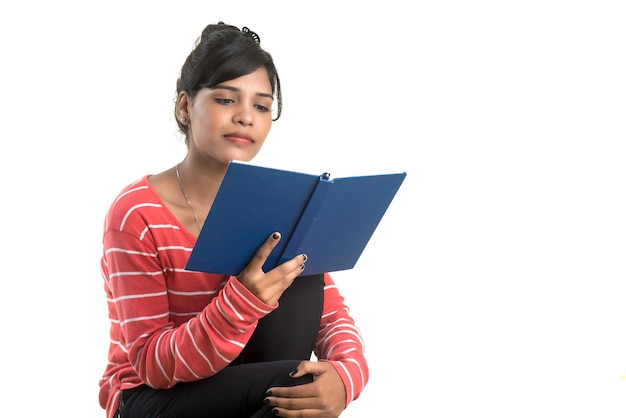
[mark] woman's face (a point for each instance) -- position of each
(231, 120)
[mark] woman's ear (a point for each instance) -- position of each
(182, 102)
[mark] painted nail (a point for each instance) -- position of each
(268, 392)
(304, 257)
(293, 372)
(266, 401)
(275, 411)
(301, 266)
(275, 236)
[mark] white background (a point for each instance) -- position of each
(493, 287)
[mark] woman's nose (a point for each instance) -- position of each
(243, 115)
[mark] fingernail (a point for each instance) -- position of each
(304, 257)
(268, 392)
(266, 401)
(275, 411)
(275, 235)
(301, 266)
(293, 372)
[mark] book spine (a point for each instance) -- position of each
(308, 218)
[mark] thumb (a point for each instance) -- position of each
(301, 370)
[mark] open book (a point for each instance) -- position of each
(329, 220)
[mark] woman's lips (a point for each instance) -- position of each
(241, 139)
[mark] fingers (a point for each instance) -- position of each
(295, 265)
(325, 396)
(264, 251)
(269, 286)
(290, 269)
(299, 260)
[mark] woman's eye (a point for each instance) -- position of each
(262, 108)
(224, 101)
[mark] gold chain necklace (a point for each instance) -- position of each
(182, 189)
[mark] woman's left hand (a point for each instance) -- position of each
(325, 397)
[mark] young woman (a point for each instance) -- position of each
(189, 344)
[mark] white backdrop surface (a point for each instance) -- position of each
(494, 285)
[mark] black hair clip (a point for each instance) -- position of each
(251, 34)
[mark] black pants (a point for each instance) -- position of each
(281, 340)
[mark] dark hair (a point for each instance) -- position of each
(222, 53)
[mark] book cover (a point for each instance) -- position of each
(330, 220)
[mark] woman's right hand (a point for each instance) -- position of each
(269, 286)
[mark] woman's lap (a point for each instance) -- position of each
(282, 339)
(234, 392)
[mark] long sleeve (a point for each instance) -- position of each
(340, 342)
(143, 296)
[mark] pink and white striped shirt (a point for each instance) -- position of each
(170, 325)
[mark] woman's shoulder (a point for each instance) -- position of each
(138, 191)
(137, 199)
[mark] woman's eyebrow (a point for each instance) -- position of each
(236, 90)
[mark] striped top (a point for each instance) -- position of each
(170, 325)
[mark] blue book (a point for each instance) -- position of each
(329, 220)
